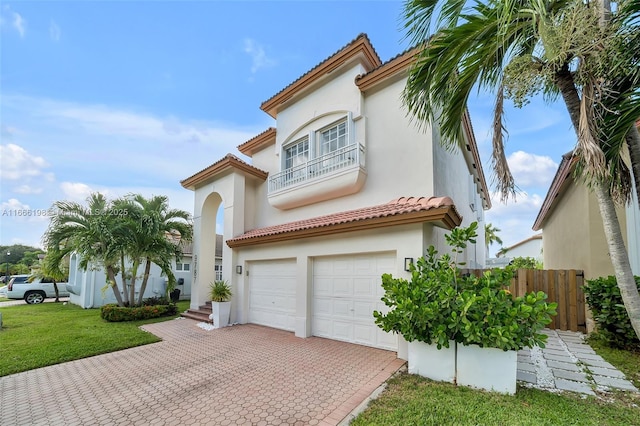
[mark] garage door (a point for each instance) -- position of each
(346, 291)
(272, 293)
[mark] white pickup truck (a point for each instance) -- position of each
(36, 291)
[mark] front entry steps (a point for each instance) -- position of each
(200, 314)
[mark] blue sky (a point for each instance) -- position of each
(123, 97)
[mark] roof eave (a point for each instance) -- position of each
(558, 183)
(258, 142)
(360, 46)
(446, 217)
(225, 165)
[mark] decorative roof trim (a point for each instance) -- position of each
(258, 142)
(434, 210)
(473, 147)
(228, 162)
(390, 68)
(360, 45)
(563, 175)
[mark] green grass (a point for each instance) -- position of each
(4, 299)
(50, 333)
(413, 400)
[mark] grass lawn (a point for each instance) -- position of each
(413, 400)
(50, 333)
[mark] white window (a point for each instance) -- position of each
(296, 154)
(185, 267)
(218, 271)
(333, 138)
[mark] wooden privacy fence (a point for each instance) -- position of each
(561, 286)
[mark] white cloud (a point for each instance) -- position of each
(18, 163)
(258, 55)
(96, 148)
(514, 218)
(19, 24)
(75, 191)
(13, 20)
(531, 169)
(27, 189)
(54, 31)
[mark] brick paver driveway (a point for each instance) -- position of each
(244, 374)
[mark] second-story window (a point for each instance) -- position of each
(297, 154)
(333, 138)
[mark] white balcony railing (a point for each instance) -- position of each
(346, 157)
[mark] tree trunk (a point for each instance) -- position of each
(114, 285)
(145, 278)
(55, 288)
(125, 291)
(619, 257)
(617, 251)
(633, 143)
(132, 288)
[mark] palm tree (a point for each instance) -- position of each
(91, 231)
(491, 235)
(154, 234)
(53, 266)
(517, 49)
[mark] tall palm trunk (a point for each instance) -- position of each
(633, 143)
(145, 278)
(125, 291)
(114, 285)
(617, 251)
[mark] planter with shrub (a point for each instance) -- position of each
(154, 307)
(441, 307)
(220, 292)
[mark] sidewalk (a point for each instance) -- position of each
(567, 363)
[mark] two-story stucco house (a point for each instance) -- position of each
(344, 188)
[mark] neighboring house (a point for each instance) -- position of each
(345, 188)
(572, 227)
(89, 288)
(530, 247)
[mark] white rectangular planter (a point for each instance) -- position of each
(220, 314)
(427, 361)
(487, 368)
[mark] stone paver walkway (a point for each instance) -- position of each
(245, 374)
(567, 363)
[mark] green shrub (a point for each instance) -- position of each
(525, 263)
(613, 323)
(439, 304)
(115, 313)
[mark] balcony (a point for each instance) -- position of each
(332, 175)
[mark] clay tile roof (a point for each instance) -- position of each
(401, 211)
(258, 142)
(226, 163)
(360, 43)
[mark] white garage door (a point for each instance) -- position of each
(272, 293)
(346, 291)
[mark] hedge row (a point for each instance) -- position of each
(115, 313)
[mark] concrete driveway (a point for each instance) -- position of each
(245, 374)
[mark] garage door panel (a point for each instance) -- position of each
(346, 291)
(272, 293)
(365, 287)
(342, 330)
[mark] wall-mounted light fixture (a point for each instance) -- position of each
(239, 269)
(407, 263)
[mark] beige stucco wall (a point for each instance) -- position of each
(574, 236)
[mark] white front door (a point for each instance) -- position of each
(346, 291)
(272, 293)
